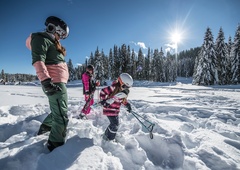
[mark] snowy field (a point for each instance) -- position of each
(196, 128)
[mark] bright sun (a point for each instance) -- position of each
(176, 37)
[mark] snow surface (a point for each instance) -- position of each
(196, 128)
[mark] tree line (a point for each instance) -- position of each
(16, 78)
(215, 62)
(154, 66)
(218, 62)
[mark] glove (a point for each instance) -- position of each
(87, 93)
(105, 103)
(129, 108)
(86, 97)
(97, 83)
(50, 88)
(110, 101)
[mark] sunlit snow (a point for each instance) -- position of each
(196, 128)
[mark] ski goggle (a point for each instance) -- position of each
(62, 33)
(124, 86)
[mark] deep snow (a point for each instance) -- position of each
(196, 128)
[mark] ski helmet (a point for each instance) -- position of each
(56, 25)
(126, 79)
(90, 67)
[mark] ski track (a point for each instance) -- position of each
(179, 141)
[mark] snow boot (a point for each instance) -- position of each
(52, 145)
(43, 129)
(105, 138)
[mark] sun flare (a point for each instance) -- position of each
(176, 37)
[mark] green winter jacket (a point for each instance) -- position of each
(47, 60)
(42, 46)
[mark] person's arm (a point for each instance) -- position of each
(39, 53)
(28, 42)
(127, 104)
(105, 92)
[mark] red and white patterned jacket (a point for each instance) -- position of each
(114, 108)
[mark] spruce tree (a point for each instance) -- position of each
(98, 64)
(147, 65)
(140, 65)
(117, 63)
(111, 65)
(128, 59)
(91, 59)
(236, 57)
(155, 65)
(105, 66)
(160, 66)
(71, 70)
(206, 73)
(151, 70)
(133, 65)
(124, 58)
(2, 75)
(221, 56)
(229, 61)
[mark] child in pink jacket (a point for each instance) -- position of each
(89, 86)
(122, 84)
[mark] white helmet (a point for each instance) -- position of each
(126, 79)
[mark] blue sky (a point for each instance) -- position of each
(105, 23)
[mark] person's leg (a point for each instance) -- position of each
(59, 107)
(88, 109)
(46, 125)
(112, 129)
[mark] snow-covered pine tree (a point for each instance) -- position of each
(71, 70)
(105, 66)
(147, 70)
(91, 59)
(128, 59)
(154, 65)
(111, 65)
(79, 71)
(229, 61)
(236, 57)
(140, 65)
(98, 64)
(206, 73)
(116, 64)
(2, 75)
(221, 56)
(160, 66)
(172, 68)
(124, 58)
(133, 67)
(187, 61)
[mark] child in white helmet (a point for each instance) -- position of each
(122, 84)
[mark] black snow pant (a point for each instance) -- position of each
(112, 129)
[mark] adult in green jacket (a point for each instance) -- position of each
(48, 58)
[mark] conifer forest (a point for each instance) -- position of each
(215, 62)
